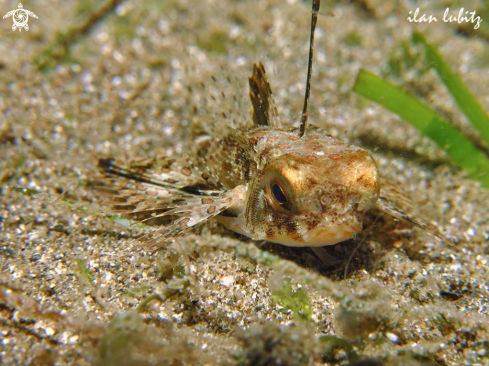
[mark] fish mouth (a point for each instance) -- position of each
(329, 235)
(318, 237)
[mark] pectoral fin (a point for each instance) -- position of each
(191, 213)
(394, 203)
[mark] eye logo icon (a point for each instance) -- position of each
(20, 17)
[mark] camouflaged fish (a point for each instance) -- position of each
(296, 187)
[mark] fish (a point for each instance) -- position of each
(295, 186)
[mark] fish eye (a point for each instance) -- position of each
(279, 194)
(280, 191)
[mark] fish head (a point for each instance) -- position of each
(310, 191)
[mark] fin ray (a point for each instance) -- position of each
(392, 202)
(264, 110)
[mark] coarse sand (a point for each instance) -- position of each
(151, 77)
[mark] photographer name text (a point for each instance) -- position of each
(462, 16)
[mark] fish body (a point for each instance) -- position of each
(309, 191)
(262, 181)
(296, 187)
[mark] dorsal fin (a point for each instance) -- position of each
(264, 109)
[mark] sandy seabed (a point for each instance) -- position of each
(150, 78)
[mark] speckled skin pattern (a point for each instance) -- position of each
(328, 185)
(263, 181)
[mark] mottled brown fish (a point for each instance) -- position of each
(296, 187)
